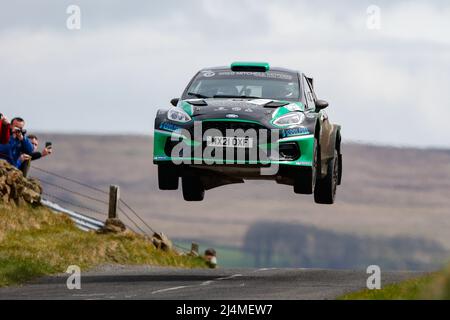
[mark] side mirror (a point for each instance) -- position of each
(174, 101)
(321, 104)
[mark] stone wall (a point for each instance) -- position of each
(15, 188)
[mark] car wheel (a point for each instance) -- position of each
(305, 180)
(325, 191)
(193, 189)
(167, 177)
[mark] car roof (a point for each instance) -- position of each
(271, 69)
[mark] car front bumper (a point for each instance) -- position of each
(162, 154)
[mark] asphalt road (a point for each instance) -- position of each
(120, 282)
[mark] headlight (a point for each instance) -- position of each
(290, 119)
(176, 114)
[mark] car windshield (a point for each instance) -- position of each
(275, 85)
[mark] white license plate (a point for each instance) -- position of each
(229, 142)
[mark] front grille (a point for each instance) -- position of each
(248, 154)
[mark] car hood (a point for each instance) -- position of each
(248, 109)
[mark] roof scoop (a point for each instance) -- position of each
(250, 66)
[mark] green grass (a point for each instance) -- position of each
(36, 242)
(435, 286)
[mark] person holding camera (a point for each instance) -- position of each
(25, 159)
(18, 143)
(38, 154)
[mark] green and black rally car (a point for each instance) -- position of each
(248, 121)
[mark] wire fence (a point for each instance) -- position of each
(90, 200)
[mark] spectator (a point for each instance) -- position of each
(35, 155)
(4, 129)
(25, 159)
(211, 258)
(18, 143)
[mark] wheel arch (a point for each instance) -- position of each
(337, 143)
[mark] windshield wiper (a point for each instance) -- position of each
(198, 95)
(233, 96)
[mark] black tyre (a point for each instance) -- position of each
(325, 191)
(167, 177)
(193, 189)
(305, 180)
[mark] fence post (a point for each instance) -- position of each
(113, 223)
(113, 201)
(25, 168)
(194, 249)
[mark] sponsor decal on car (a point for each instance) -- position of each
(169, 127)
(294, 132)
(208, 73)
(303, 163)
(268, 75)
(162, 158)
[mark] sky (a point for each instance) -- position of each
(385, 73)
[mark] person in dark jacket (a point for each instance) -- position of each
(5, 129)
(25, 159)
(17, 145)
(37, 154)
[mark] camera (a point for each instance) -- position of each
(19, 130)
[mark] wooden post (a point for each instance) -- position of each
(113, 202)
(25, 168)
(194, 248)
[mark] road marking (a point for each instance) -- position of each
(230, 277)
(266, 269)
(203, 284)
(88, 294)
(169, 289)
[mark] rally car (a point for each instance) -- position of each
(248, 121)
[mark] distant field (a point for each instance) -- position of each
(386, 191)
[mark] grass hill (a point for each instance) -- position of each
(35, 242)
